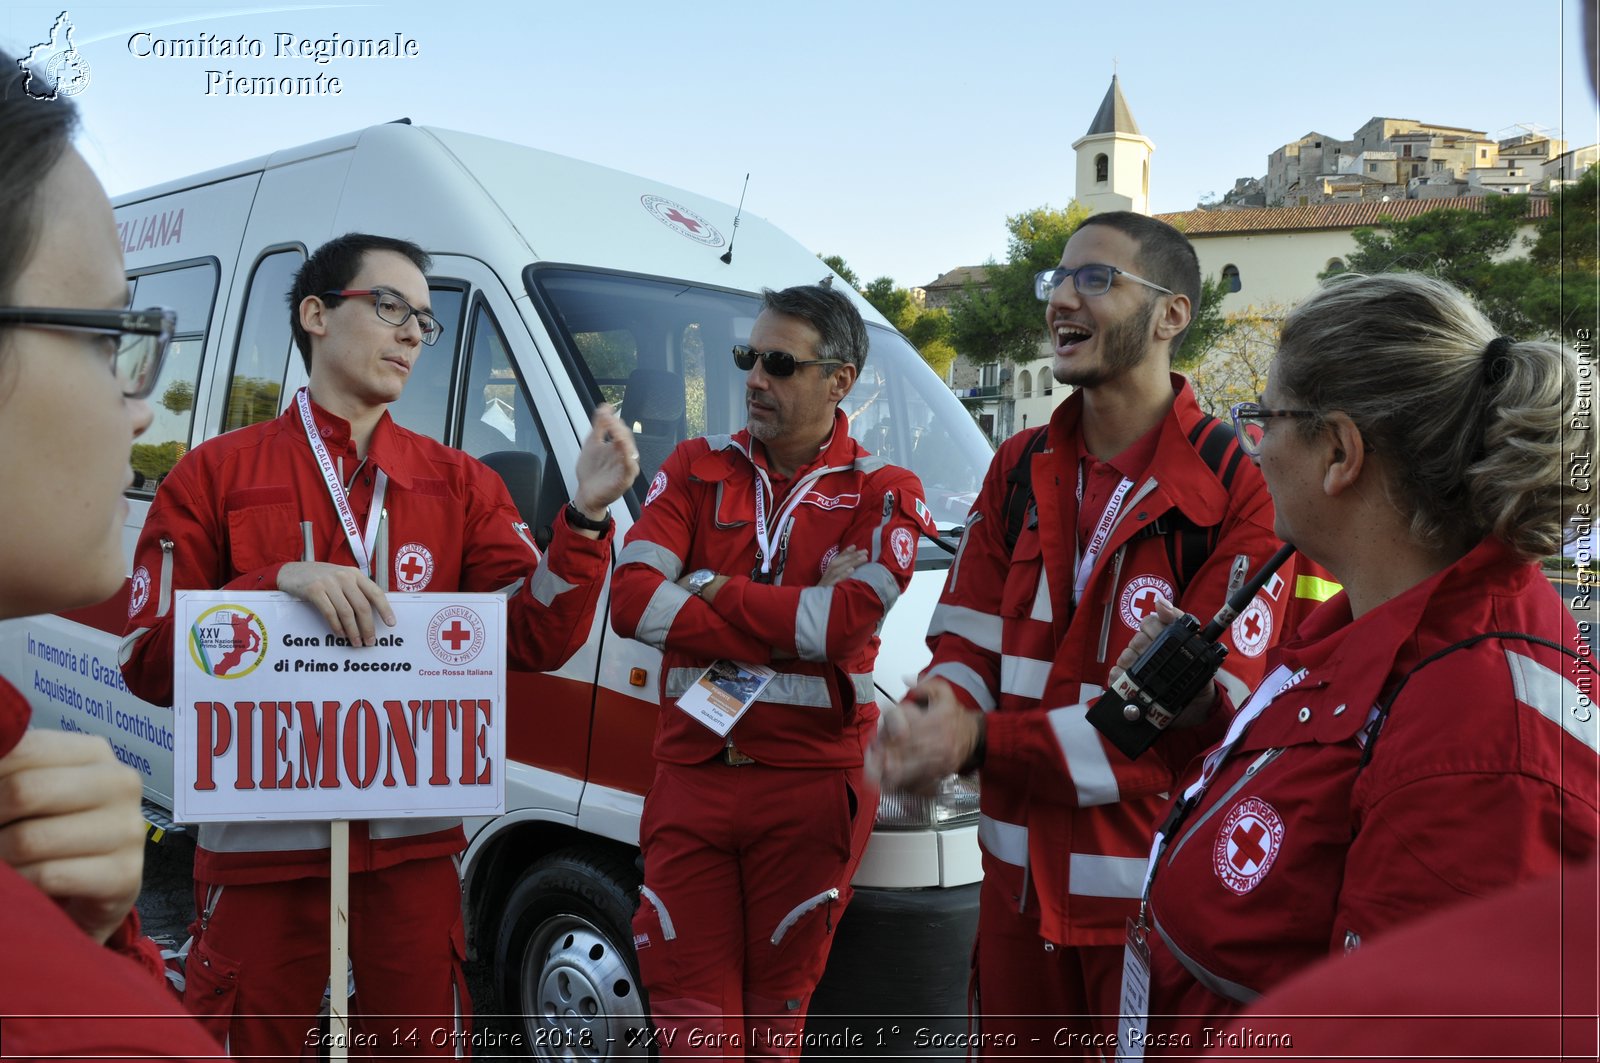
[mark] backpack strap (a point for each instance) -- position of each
(1019, 488)
(1188, 545)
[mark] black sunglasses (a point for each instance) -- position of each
(775, 363)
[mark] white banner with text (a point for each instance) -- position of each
(277, 719)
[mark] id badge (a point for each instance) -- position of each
(724, 692)
(1135, 1006)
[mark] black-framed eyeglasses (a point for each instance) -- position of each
(1253, 415)
(775, 363)
(393, 310)
(142, 337)
(1093, 278)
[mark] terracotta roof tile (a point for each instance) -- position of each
(1325, 215)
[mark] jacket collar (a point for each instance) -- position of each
(840, 449)
(390, 449)
(1362, 655)
(1181, 474)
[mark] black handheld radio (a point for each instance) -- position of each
(1171, 672)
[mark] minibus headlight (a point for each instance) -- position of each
(955, 804)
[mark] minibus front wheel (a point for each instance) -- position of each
(564, 960)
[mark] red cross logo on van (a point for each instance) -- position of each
(683, 221)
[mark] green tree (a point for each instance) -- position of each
(1234, 368)
(1003, 320)
(1560, 294)
(179, 397)
(1461, 247)
(1208, 329)
(837, 264)
(928, 330)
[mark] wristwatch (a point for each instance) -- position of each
(578, 519)
(699, 580)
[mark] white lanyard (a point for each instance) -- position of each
(360, 546)
(764, 539)
(1102, 531)
(1281, 679)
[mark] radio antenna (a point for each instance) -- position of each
(727, 256)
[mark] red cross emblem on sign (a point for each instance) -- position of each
(688, 223)
(456, 635)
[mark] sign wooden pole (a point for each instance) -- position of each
(339, 942)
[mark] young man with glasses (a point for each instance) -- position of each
(304, 504)
(1136, 495)
(780, 547)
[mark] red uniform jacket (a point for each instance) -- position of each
(701, 513)
(64, 996)
(1065, 818)
(229, 516)
(1484, 775)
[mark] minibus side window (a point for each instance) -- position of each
(190, 291)
(499, 426)
(255, 385)
(424, 405)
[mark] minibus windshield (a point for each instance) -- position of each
(661, 352)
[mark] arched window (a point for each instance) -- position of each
(1335, 265)
(1230, 277)
(1024, 385)
(1102, 166)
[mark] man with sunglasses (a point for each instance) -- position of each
(1137, 496)
(781, 546)
(305, 504)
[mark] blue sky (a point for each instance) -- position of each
(898, 135)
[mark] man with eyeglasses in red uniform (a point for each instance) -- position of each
(305, 504)
(779, 547)
(1136, 496)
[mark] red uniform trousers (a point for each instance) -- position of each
(259, 964)
(1060, 1001)
(735, 921)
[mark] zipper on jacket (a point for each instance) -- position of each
(829, 895)
(1111, 594)
(164, 602)
(1267, 757)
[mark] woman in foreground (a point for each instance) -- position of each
(1427, 735)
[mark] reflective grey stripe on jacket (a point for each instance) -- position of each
(663, 608)
(654, 555)
(980, 629)
(786, 688)
(1215, 982)
(967, 678)
(546, 586)
(287, 837)
(1555, 697)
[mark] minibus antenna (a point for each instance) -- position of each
(727, 256)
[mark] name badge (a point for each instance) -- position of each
(1135, 1005)
(724, 692)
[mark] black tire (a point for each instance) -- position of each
(564, 959)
